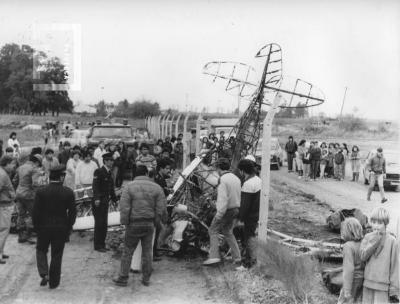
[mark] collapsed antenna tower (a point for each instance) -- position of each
(295, 93)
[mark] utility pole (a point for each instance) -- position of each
(265, 169)
(341, 110)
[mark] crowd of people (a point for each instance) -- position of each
(42, 188)
(321, 160)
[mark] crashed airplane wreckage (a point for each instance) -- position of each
(192, 201)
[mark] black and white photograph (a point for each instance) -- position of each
(200, 151)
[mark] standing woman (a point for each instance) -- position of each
(346, 156)
(324, 160)
(307, 163)
(301, 151)
(72, 163)
(355, 161)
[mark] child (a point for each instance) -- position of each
(380, 251)
(306, 165)
(339, 161)
(355, 163)
(353, 268)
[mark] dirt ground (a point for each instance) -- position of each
(87, 275)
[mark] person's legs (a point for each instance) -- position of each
(322, 169)
(213, 232)
(371, 186)
(290, 161)
(42, 246)
(103, 223)
(21, 225)
(158, 229)
(57, 249)
(147, 243)
(5, 224)
(133, 234)
(250, 242)
(306, 171)
(379, 177)
(227, 230)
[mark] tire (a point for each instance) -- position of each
(366, 182)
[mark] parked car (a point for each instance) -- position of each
(110, 133)
(276, 153)
(392, 179)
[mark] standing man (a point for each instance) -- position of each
(103, 191)
(28, 181)
(290, 148)
(54, 214)
(66, 154)
(85, 171)
(315, 158)
(163, 173)
(249, 209)
(142, 205)
(377, 168)
(7, 196)
(228, 203)
(192, 146)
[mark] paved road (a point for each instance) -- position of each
(343, 194)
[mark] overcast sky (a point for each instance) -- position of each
(157, 49)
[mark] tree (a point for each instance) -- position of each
(16, 82)
(143, 108)
(101, 108)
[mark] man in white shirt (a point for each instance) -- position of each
(84, 171)
(98, 153)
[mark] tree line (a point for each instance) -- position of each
(17, 95)
(140, 108)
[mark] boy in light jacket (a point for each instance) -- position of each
(380, 251)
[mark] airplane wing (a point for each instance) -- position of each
(237, 77)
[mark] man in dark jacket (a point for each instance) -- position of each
(315, 159)
(163, 173)
(65, 154)
(142, 205)
(290, 148)
(249, 209)
(54, 214)
(103, 192)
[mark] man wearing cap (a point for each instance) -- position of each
(228, 203)
(103, 191)
(54, 214)
(28, 180)
(377, 168)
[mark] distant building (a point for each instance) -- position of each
(85, 109)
